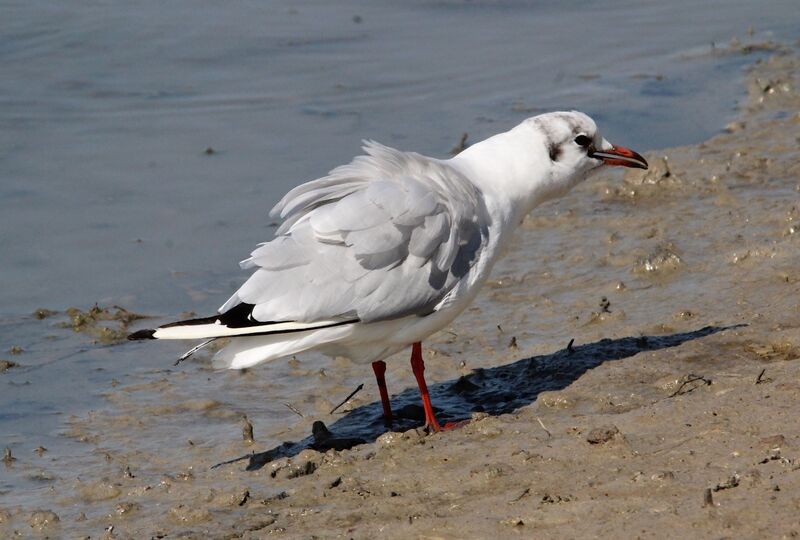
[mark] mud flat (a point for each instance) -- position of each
(673, 411)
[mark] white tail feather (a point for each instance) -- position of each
(215, 330)
(248, 351)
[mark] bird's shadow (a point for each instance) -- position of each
(496, 391)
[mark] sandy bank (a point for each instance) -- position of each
(675, 412)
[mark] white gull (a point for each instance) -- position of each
(390, 248)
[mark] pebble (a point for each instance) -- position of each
(42, 519)
(603, 434)
(5, 365)
(187, 515)
(232, 498)
(247, 431)
(101, 490)
(555, 400)
(773, 442)
(388, 439)
(126, 508)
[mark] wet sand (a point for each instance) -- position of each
(675, 410)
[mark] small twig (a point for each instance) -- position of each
(354, 392)
(690, 378)
(461, 146)
(294, 410)
(761, 379)
(570, 350)
(544, 428)
(193, 350)
(234, 460)
(522, 495)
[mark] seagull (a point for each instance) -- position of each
(390, 248)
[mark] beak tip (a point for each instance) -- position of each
(623, 157)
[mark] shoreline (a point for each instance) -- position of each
(676, 407)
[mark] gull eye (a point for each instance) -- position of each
(583, 140)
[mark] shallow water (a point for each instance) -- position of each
(108, 196)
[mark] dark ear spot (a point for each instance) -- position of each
(554, 150)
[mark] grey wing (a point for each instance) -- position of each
(385, 236)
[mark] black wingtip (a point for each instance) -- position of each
(142, 334)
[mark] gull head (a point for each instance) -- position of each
(543, 158)
(575, 148)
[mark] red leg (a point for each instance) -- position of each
(418, 367)
(379, 368)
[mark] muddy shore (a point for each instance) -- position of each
(675, 410)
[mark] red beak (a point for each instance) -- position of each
(621, 156)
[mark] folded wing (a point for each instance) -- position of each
(388, 222)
